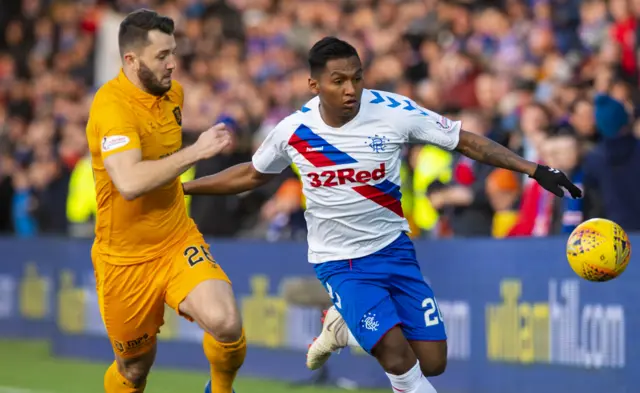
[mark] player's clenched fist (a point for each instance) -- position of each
(212, 141)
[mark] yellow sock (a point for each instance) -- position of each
(225, 360)
(114, 382)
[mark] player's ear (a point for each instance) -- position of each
(313, 86)
(131, 60)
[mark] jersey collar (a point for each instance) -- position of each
(134, 91)
(345, 126)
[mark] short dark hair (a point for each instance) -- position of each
(135, 28)
(329, 48)
(573, 107)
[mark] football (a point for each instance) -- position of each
(598, 250)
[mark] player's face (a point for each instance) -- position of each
(156, 63)
(340, 86)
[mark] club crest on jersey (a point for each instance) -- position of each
(369, 322)
(377, 143)
(178, 115)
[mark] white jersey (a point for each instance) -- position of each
(351, 175)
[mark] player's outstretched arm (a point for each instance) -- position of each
(489, 152)
(134, 177)
(268, 161)
(237, 179)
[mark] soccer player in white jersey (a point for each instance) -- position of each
(346, 142)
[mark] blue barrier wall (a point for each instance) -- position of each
(517, 317)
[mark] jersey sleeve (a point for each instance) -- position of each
(424, 126)
(116, 129)
(272, 157)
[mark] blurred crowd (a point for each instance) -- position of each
(555, 80)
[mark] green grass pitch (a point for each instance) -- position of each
(27, 367)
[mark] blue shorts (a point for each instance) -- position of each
(377, 292)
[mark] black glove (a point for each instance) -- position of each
(552, 179)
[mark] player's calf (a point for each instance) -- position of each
(396, 356)
(129, 375)
(136, 370)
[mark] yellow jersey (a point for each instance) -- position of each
(124, 117)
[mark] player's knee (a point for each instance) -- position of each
(434, 367)
(224, 326)
(394, 353)
(213, 305)
(432, 356)
(396, 364)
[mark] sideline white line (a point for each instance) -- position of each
(13, 389)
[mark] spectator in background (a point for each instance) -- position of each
(464, 201)
(489, 89)
(611, 169)
(564, 152)
(581, 122)
(535, 121)
(23, 206)
(220, 215)
(536, 206)
(528, 66)
(623, 36)
(592, 30)
(49, 182)
(283, 212)
(503, 190)
(6, 192)
(43, 90)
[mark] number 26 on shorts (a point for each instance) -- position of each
(197, 254)
(334, 296)
(432, 315)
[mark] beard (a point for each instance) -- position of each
(150, 82)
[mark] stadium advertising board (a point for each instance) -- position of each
(517, 317)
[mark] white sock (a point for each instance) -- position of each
(351, 341)
(411, 382)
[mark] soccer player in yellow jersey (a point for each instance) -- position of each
(147, 251)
